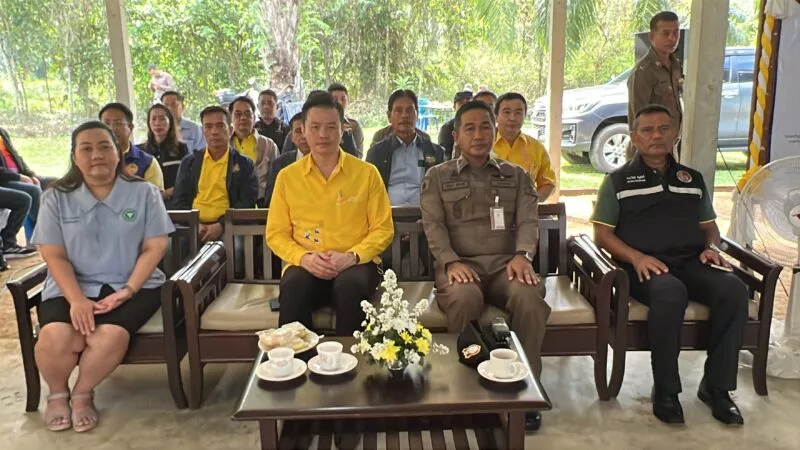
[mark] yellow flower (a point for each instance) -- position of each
(389, 353)
(420, 327)
(369, 327)
(406, 337)
(426, 334)
(423, 346)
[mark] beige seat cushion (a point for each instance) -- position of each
(154, 325)
(245, 307)
(414, 291)
(637, 311)
(567, 306)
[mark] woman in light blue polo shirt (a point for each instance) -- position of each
(102, 233)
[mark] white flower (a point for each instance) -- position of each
(390, 276)
(412, 357)
(391, 314)
(376, 351)
(439, 348)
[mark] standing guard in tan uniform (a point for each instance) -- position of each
(657, 78)
(481, 220)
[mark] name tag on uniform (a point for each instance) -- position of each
(497, 216)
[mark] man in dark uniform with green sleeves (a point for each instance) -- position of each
(657, 220)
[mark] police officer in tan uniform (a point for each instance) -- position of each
(481, 220)
(657, 78)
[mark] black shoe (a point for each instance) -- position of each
(533, 421)
(722, 407)
(3, 264)
(15, 251)
(667, 407)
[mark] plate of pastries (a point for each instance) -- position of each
(293, 335)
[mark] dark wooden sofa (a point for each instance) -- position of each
(223, 311)
(629, 317)
(162, 340)
(580, 288)
(226, 297)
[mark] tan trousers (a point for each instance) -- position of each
(462, 303)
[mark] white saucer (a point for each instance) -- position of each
(311, 342)
(298, 368)
(347, 362)
(520, 374)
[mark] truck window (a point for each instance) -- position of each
(726, 70)
(742, 68)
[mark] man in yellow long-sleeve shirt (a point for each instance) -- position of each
(329, 220)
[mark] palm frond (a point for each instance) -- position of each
(581, 22)
(644, 10)
(499, 21)
(541, 25)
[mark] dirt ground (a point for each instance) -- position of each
(579, 208)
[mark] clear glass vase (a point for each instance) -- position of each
(397, 369)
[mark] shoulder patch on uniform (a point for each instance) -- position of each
(684, 176)
(452, 185)
(425, 183)
(507, 169)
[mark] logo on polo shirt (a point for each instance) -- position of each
(684, 176)
(131, 169)
(636, 179)
(129, 215)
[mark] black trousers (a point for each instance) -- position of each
(668, 295)
(301, 293)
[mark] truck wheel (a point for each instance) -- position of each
(573, 158)
(609, 147)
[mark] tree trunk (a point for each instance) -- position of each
(12, 72)
(47, 89)
(282, 56)
(540, 65)
(24, 93)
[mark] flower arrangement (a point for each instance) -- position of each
(393, 336)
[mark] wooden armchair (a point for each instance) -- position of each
(629, 317)
(162, 340)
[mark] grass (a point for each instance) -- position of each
(50, 156)
(730, 167)
(45, 155)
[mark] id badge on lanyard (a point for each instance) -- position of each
(497, 216)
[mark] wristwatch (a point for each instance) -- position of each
(356, 255)
(527, 255)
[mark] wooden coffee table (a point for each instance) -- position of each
(446, 395)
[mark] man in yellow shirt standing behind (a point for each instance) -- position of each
(329, 220)
(517, 147)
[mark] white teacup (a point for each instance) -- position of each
(502, 362)
(330, 355)
(280, 361)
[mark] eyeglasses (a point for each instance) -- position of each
(242, 115)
